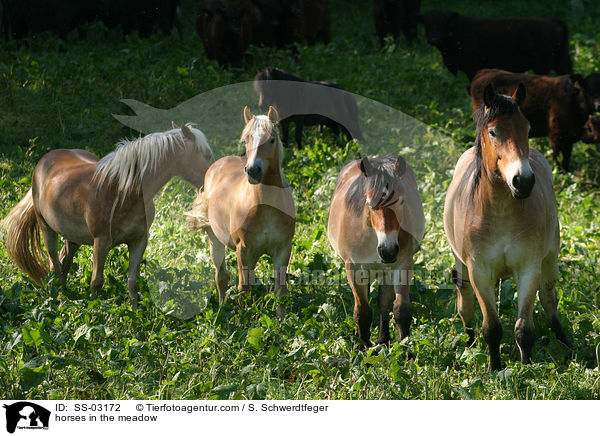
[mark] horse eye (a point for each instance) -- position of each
(492, 133)
(272, 141)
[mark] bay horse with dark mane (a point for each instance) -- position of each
(100, 202)
(500, 219)
(376, 224)
(247, 205)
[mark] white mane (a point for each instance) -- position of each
(133, 158)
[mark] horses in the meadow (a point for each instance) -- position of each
(500, 218)
(248, 206)
(376, 224)
(100, 202)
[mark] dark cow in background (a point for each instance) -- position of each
(557, 107)
(470, 44)
(23, 17)
(227, 29)
(395, 16)
(316, 104)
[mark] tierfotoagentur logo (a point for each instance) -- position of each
(26, 416)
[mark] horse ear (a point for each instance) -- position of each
(489, 95)
(273, 115)
(187, 133)
(247, 114)
(519, 94)
(400, 166)
(175, 126)
(365, 166)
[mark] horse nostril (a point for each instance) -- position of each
(516, 181)
(388, 253)
(255, 172)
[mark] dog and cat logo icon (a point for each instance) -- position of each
(26, 415)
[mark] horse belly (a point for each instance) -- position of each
(63, 214)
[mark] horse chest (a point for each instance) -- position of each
(504, 252)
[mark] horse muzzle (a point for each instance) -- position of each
(254, 174)
(522, 185)
(388, 253)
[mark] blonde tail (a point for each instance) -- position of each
(22, 238)
(197, 218)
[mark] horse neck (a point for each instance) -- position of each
(274, 175)
(156, 178)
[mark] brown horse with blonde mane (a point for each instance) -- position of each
(248, 206)
(376, 224)
(500, 218)
(100, 202)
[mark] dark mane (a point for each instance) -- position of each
(356, 196)
(503, 106)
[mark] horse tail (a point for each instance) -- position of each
(197, 218)
(22, 237)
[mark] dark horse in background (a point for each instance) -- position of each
(313, 104)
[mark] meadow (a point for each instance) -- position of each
(180, 344)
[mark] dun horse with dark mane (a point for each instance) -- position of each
(103, 202)
(376, 224)
(500, 218)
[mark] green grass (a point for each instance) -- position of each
(180, 343)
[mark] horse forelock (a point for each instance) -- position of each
(132, 159)
(382, 184)
(260, 125)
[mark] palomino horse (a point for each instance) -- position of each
(500, 218)
(102, 202)
(248, 206)
(376, 224)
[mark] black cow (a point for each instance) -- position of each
(23, 17)
(469, 44)
(395, 16)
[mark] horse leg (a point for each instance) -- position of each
(549, 302)
(484, 282)
(285, 130)
(527, 286)
(298, 132)
(363, 316)
(465, 298)
(246, 261)
(281, 260)
(100, 252)
(51, 243)
(217, 254)
(402, 315)
(560, 146)
(385, 300)
(136, 253)
(66, 259)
